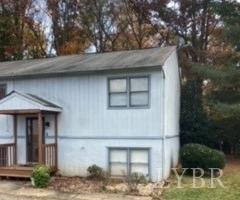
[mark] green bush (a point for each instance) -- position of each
(201, 156)
(41, 176)
(96, 172)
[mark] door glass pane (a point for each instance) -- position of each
(139, 156)
(118, 85)
(35, 141)
(139, 84)
(32, 145)
(118, 99)
(139, 99)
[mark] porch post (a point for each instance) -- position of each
(56, 139)
(15, 138)
(40, 138)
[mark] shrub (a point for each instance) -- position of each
(138, 178)
(41, 176)
(201, 156)
(134, 179)
(96, 172)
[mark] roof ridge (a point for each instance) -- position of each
(89, 53)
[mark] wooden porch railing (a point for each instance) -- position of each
(50, 155)
(7, 155)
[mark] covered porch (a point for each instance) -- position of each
(30, 115)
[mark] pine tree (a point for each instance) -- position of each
(194, 121)
(222, 89)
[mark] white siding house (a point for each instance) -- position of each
(117, 110)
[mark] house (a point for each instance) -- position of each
(118, 110)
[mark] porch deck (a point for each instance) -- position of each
(8, 168)
(19, 171)
(16, 171)
(38, 150)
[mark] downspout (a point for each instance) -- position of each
(163, 127)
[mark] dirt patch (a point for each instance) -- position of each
(89, 186)
(233, 164)
(78, 184)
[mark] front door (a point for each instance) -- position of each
(32, 140)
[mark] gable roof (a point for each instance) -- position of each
(86, 63)
(20, 102)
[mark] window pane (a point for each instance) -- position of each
(118, 99)
(118, 155)
(139, 99)
(118, 160)
(139, 168)
(118, 169)
(139, 84)
(118, 85)
(139, 156)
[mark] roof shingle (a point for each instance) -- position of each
(87, 63)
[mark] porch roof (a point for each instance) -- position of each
(21, 103)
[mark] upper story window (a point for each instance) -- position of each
(129, 92)
(3, 90)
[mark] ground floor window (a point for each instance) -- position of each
(125, 161)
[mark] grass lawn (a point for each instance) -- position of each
(230, 179)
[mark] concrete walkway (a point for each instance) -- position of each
(11, 190)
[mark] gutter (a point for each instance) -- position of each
(79, 73)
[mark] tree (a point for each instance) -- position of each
(222, 88)
(17, 25)
(193, 22)
(230, 14)
(98, 18)
(68, 35)
(194, 121)
(139, 30)
(6, 37)
(120, 24)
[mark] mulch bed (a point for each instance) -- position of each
(78, 184)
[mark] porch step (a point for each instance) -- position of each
(21, 172)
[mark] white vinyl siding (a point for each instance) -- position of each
(127, 161)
